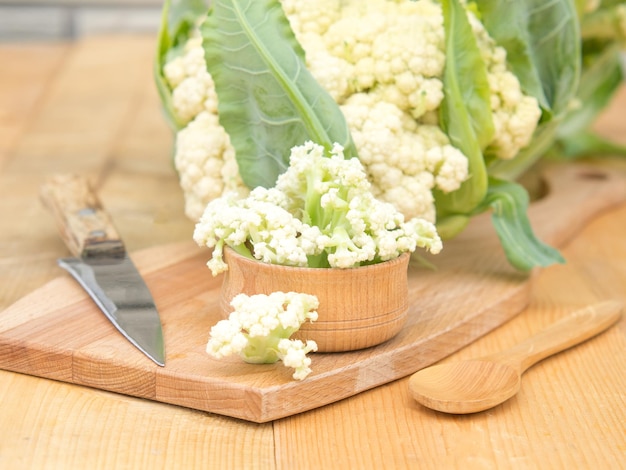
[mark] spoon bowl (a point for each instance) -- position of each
(482, 384)
(479, 384)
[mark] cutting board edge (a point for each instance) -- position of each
(260, 409)
(520, 298)
(264, 404)
(57, 361)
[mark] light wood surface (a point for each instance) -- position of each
(356, 310)
(90, 107)
(479, 384)
(57, 332)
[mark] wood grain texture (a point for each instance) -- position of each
(84, 225)
(25, 84)
(570, 331)
(461, 300)
(569, 414)
(358, 307)
(482, 383)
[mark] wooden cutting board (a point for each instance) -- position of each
(58, 333)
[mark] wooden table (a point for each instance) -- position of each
(91, 107)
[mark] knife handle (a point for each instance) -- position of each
(85, 226)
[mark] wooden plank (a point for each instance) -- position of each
(24, 81)
(554, 419)
(78, 123)
(472, 291)
(87, 429)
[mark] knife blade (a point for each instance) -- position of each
(101, 264)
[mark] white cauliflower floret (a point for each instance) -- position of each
(375, 41)
(448, 165)
(294, 354)
(311, 17)
(192, 85)
(410, 76)
(331, 72)
(515, 115)
(204, 157)
(261, 219)
(404, 161)
(259, 328)
(205, 161)
(352, 37)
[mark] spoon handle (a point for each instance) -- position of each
(571, 330)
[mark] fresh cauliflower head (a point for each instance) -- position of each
(382, 61)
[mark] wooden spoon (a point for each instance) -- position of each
(479, 384)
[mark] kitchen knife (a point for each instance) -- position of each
(101, 264)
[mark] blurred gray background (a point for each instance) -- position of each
(36, 20)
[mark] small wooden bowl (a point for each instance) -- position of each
(359, 307)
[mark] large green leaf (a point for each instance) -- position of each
(523, 249)
(465, 110)
(542, 40)
(268, 100)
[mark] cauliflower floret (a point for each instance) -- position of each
(411, 75)
(204, 157)
(259, 329)
(352, 37)
(294, 354)
(514, 121)
(192, 85)
(205, 161)
(321, 213)
(404, 161)
(333, 73)
(515, 115)
(260, 219)
(375, 41)
(311, 17)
